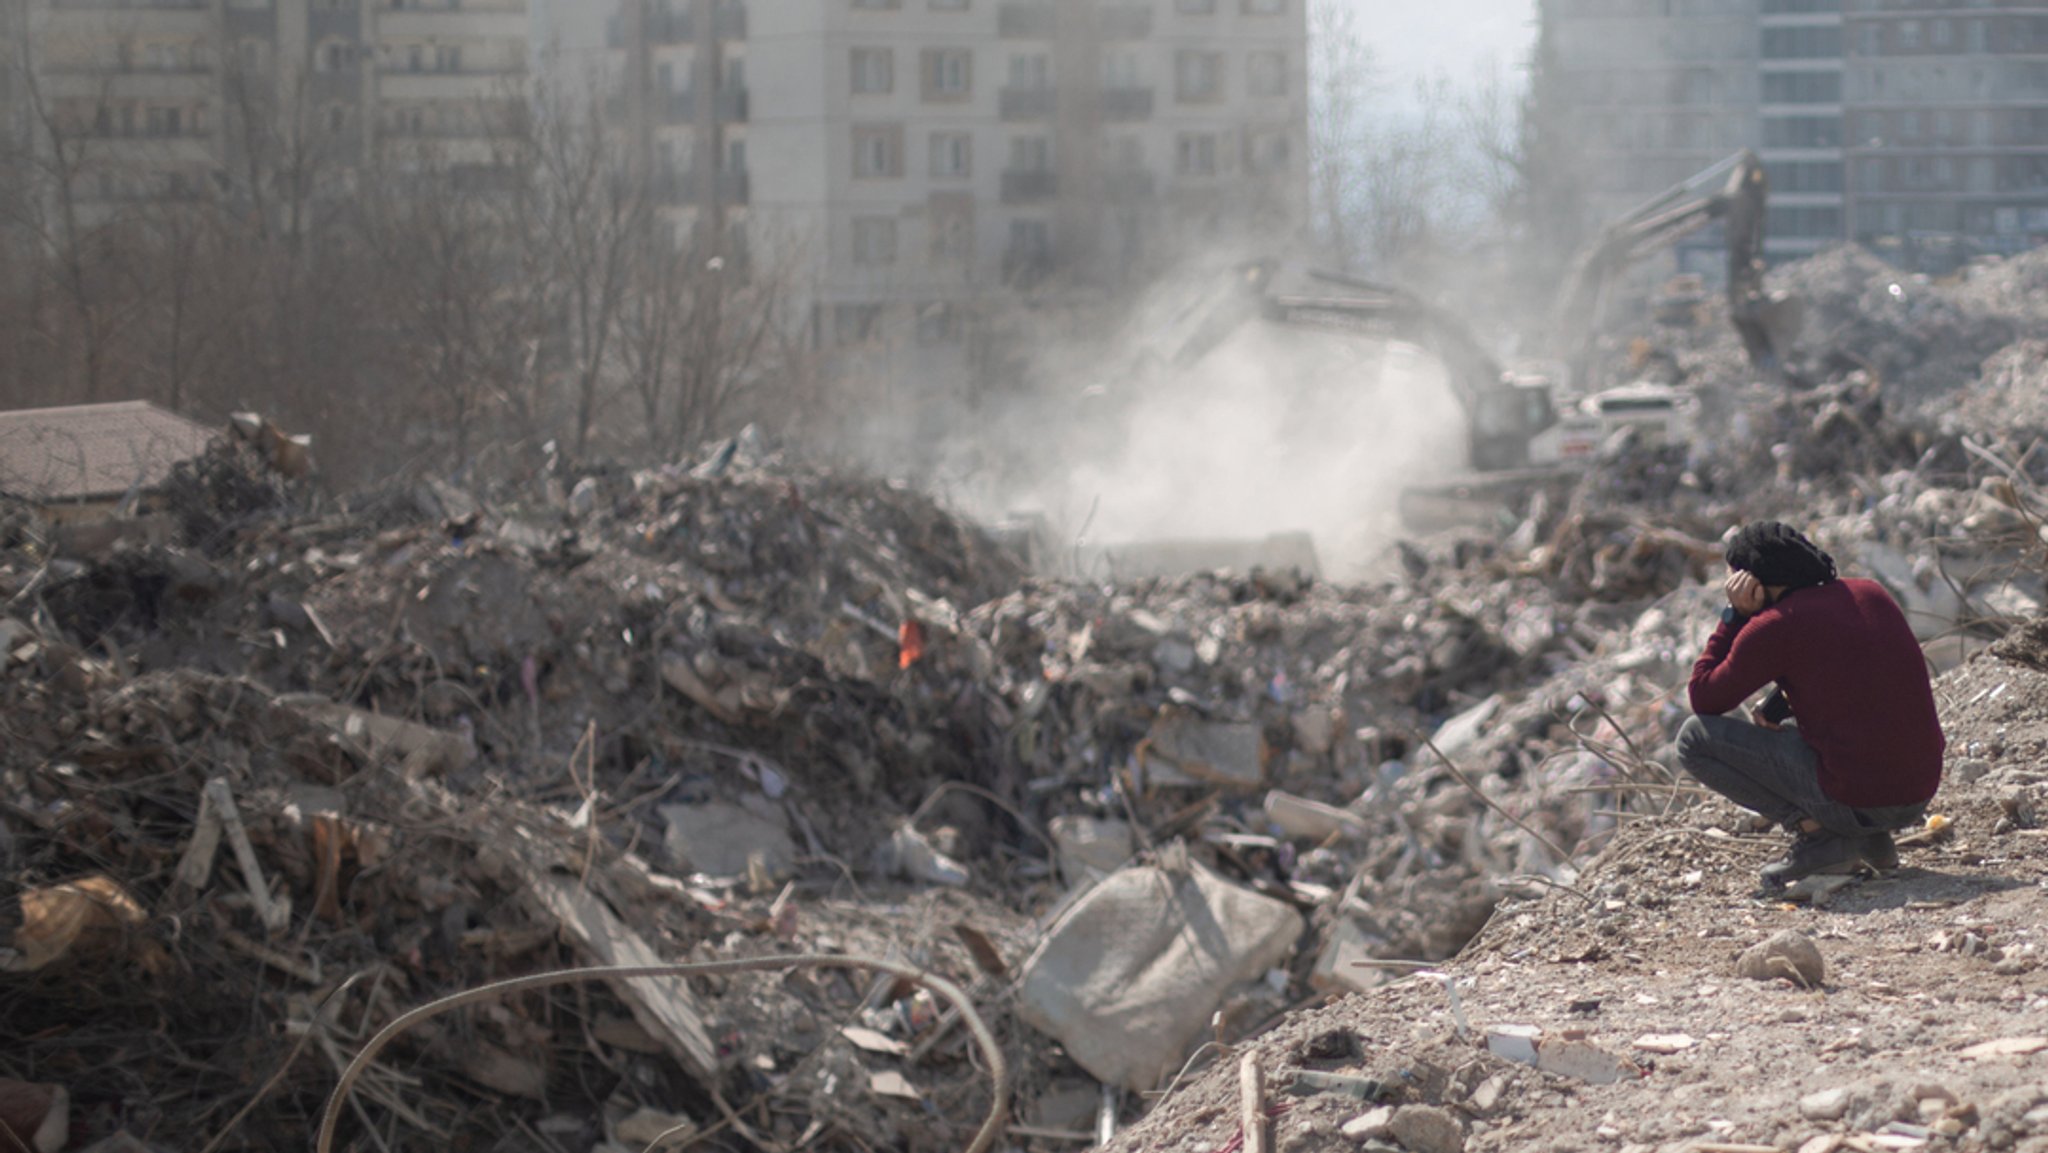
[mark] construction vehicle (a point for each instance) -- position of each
(1732, 192)
(1525, 430)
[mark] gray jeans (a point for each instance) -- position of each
(1775, 773)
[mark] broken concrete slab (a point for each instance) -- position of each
(1090, 847)
(1129, 975)
(1583, 1061)
(1312, 820)
(1788, 955)
(1337, 966)
(721, 838)
(421, 750)
(1207, 752)
(664, 1006)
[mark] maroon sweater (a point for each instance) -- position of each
(1844, 655)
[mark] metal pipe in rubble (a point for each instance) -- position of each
(999, 1069)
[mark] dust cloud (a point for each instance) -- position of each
(1151, 466)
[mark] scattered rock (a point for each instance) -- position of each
(1825, 1105)
(1426, 1129)
(1789, 955)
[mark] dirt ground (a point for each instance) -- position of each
(1924, 967)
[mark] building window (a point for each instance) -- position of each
(1264, 7)
(447, 58)
(938, 323)
(1031, 70)
(337, 118)
(1197, 154)
(1030, 154)
(948, 74)
(1198, 76)
(877, 151)
(952, 155)
(1270, 150)
(1909, 34)
(1942, 33)
(1265, 73)
(874, 241)
(952, 226)
(1122, 69)
(331, 57)
(874, 71)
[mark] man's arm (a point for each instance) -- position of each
(1737, 662)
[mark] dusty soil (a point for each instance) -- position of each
(1921, 965)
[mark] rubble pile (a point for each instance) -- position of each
(324, 760)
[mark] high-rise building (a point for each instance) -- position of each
(1948, 118)
(1915, 126)
(160, 100)
(916, 154)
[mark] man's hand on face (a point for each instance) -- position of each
(1745, 593)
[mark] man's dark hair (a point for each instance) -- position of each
(1777, 554)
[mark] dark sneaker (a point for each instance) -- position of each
(1879, 852)
(1818, 852)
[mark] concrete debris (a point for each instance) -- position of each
(1584, 1061)
(1090, 847)
(727, 838)
(1788, 956)
(1129, 975)
(911, 855)
(1426, 1129)
(739, 704)
(646, 1128)
(35, 1117)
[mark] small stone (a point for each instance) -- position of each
(1370, 1125)
(1427, 1129)
(1825, 1143)
(1789, 955)
(1826, 1105)
(1950, 1127)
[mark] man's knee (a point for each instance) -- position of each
(1693, 742)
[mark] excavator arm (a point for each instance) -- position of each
(1734, 192)
(1500, 418)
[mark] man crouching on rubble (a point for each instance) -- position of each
(1864, 756)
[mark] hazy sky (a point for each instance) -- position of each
(1419, 37)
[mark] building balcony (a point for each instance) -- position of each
(1125, 21)
(1025, 20)
(730, 105)
(459, 23)
(1024, 185)
(465, 85)
(1128, 184)
(673, 27)
(1026, 103)
(1126, 104)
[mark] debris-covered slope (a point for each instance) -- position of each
(1926, 1024)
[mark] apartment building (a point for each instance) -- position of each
(1918, 127)
(1948, 117)
(917, 155)
(1653, 92)
(163, 100)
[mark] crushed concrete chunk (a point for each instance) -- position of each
(719, 838)
(1210, 752)
(1129, 976)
